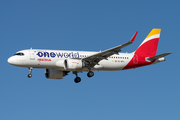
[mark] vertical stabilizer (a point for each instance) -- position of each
(149, 46)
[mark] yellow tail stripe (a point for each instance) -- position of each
(154, 31)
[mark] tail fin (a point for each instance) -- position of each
(149, 46)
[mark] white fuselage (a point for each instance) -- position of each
(58, 63)
(48, 59)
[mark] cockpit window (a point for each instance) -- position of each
(20, 54)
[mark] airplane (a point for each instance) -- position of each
(58, 63)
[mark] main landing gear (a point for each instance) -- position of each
(78, 79)
(90, 74)
(30, 71)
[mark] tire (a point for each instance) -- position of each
(90, 74)
(29, 75)
(77, 80)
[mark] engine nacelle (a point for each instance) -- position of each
(55, 74)
(70, 64)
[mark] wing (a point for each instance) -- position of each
(92, 60)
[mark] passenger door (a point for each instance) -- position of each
(32, 54)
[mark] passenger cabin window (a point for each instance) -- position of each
(19, 54)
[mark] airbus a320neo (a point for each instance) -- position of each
(58, 63)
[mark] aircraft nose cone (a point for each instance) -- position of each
(10, 60)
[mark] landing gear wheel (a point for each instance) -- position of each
(29, 75)
(90, 74)
(77, 80)
(30, 71)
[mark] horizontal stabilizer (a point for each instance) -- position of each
(158, 56)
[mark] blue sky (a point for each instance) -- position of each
(150, 92)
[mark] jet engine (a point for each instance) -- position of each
(73, 64)
(55, 74)
(70, 64)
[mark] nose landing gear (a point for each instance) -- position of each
(30, 71)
